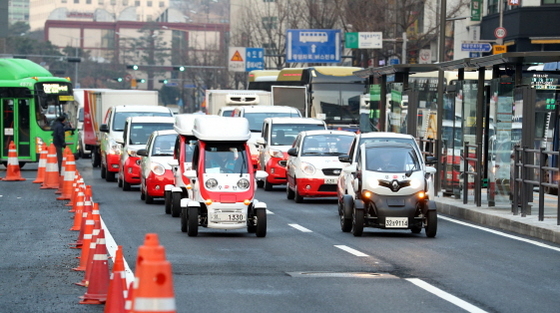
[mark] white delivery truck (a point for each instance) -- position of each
(218, 99)
(96, 103)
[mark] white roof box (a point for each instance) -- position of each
(184, 124)
(221, 128)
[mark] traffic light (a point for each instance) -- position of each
(119, 79)
(163, 81)
(140, 80)
(132, 67)
(179, 68)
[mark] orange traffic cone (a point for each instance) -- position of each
(51, 171)
(62, 170)
(98, 285)
(87, 212)
(75, 189)
(153, 286)
(42, 165)
(13, 173)
(69, 174)
(129, 297)
(117, 286)
(90, 254)
(78, 211)
(92, 226)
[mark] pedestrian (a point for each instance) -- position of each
(59, 128)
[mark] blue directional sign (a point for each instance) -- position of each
(254, 59)
(476, 47)
(313, 46)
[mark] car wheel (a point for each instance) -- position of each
(119, 182)
(142, 194)
(192, 221)
(289, 192)
(176, 204)
(260, 184)
(109, 176)
(126, 186)
(431, 223)
(184, 221)
(267, 186)
(358, 223)
(149, 199)
(345, 221)
(167, 202)
(95, 158)
(297, 197)
(103, 171)
(261, 223)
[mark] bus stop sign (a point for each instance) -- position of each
(313, 46)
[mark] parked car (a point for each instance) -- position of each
(155, 171)
(313, 167)
(278, 135)
(388, 189)
(137, 130)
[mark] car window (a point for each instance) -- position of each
(120, 117)
(163, 145)
(391, 159)
(326, 145)
(409, 141)
(226, 158)
(139, 132)
(285, 134)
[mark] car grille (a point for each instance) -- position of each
(328, 188)
(394, 185)
(331, 171)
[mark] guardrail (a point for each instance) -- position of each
(524, 179)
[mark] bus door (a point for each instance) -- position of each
(16, 127)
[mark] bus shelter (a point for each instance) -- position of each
(478, 104)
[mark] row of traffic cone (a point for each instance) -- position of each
(152, 290)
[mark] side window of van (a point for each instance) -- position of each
(125, 132)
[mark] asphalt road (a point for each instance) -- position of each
(304, 264)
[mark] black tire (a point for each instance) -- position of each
(149, 199)
(184, 220)
(167, 196)
(357, 222)
(110, 176)
(120, 183)
(346, 222)
(103, 172)
(142, 194)
(297, 197)
(95, 158)
(126, 186)
(176, 204)
(431, 223)
(192, 221)
(289, 193)
(261, 223)
(260, 183)
(267, 186)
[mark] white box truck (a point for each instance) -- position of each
(220, 99)
(96, 103)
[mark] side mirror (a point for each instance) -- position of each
(292, 152)
(261, 141)
(104, 128)
(350, 169)
(190, 174)
(344, 158)
(430, 170)
(260, 175)
(431, 160)
(173, 163)
(142, 152)
(120, 142)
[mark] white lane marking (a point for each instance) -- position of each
(301, 228)
(350, 250)
(499, 233)
(445, 296)
(112, 249)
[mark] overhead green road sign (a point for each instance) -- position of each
(363, 40)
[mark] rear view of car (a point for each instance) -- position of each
(155, 171)
(313, 166)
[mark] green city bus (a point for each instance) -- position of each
(31, 98)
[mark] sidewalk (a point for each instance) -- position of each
(501, 216)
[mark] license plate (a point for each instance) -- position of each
(331, 181)
(396, 222)
(228, 217)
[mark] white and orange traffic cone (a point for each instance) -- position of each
(13, 173)
(117, 286)
(42, 166)
(51, 171)
(98, 284)
(69, 174)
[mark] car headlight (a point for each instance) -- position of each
(276, 153)
(243, 183)
(308, 168)
(211, 183)
(415, 183)
(373, 183)
(157, 168)
(131, 152)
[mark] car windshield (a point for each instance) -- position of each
(163, 145)
(140, 132)
(226, 159)
(409, 141)
(285, 134)
(391, 159)
(120, 117)
(326, 145)
(256, 119)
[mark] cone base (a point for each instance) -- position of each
(13, 179)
